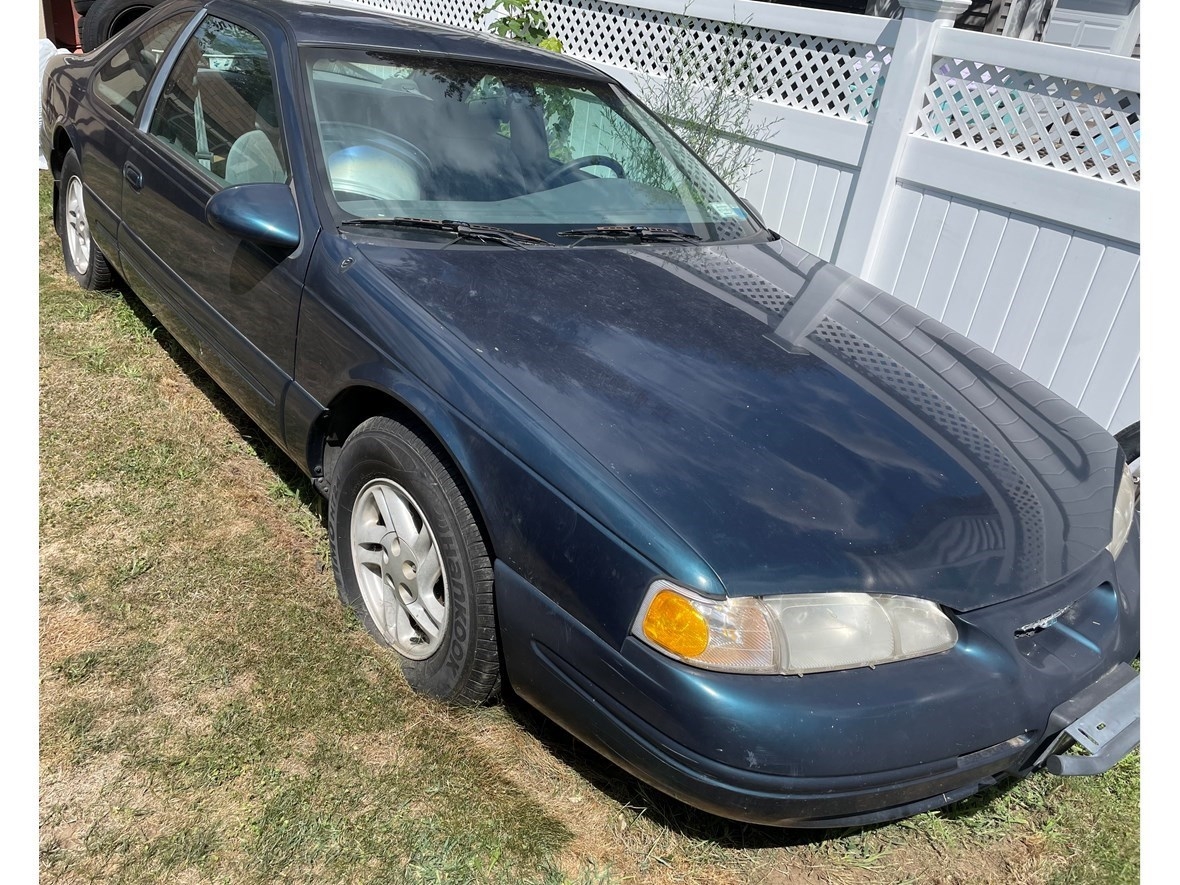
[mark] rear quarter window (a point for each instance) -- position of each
(122, 81)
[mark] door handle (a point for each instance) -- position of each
(134, 176)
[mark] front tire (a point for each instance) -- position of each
(410, 559)
(84, 260)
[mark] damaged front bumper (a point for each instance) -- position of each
(856, 747)
(1102, 721)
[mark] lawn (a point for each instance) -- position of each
(209, 712)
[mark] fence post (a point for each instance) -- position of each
(901, 99)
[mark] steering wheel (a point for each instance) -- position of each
(590, 160)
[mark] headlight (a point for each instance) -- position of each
(797, 634)
(1124, 514)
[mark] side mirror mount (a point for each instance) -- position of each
(258, 213)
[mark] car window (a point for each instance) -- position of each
(544, 154)
(218, 109)
(580, 124)
(123, 80)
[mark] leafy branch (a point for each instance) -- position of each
(519, 20)
(704, 93)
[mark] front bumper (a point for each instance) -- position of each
(1103, 721)
(832, 750)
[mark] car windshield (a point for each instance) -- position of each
(547, 155)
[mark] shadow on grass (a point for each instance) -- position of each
(267, 451)
(602, 774)
(638, 797)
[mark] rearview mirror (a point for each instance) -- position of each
(259, 213)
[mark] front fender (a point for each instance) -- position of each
(551, 511)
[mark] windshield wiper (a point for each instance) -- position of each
(640, 232)
(461, 229)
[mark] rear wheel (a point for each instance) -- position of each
(105, 18)
(84, 260)
(409, 558)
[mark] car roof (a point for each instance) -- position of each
(315, 23)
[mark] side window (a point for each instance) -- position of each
(218, 110)
(123, 80)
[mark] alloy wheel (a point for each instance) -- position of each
(77, 228)
(401, 575)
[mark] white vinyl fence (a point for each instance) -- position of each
(992, 182)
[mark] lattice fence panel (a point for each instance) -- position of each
(839, 78)
(836, 77)
(1066, 124)
(459, 13)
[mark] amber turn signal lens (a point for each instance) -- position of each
(672, 623)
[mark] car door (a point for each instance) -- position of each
(234, 304)
(119, 86)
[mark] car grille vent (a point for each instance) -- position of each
(731, 277)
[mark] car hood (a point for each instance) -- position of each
(800, 429)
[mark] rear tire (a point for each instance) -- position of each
(84, 260)
(410, 560)
(105, 18)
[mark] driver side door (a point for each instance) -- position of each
(233, 304)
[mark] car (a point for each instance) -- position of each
(765, 536)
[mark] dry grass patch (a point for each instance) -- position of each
(66, 631)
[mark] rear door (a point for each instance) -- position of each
(233, 304)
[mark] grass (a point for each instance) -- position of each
(210, 712)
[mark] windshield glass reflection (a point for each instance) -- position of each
(536, 153)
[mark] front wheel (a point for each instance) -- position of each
(409, 558)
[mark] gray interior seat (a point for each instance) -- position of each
(252, 159)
